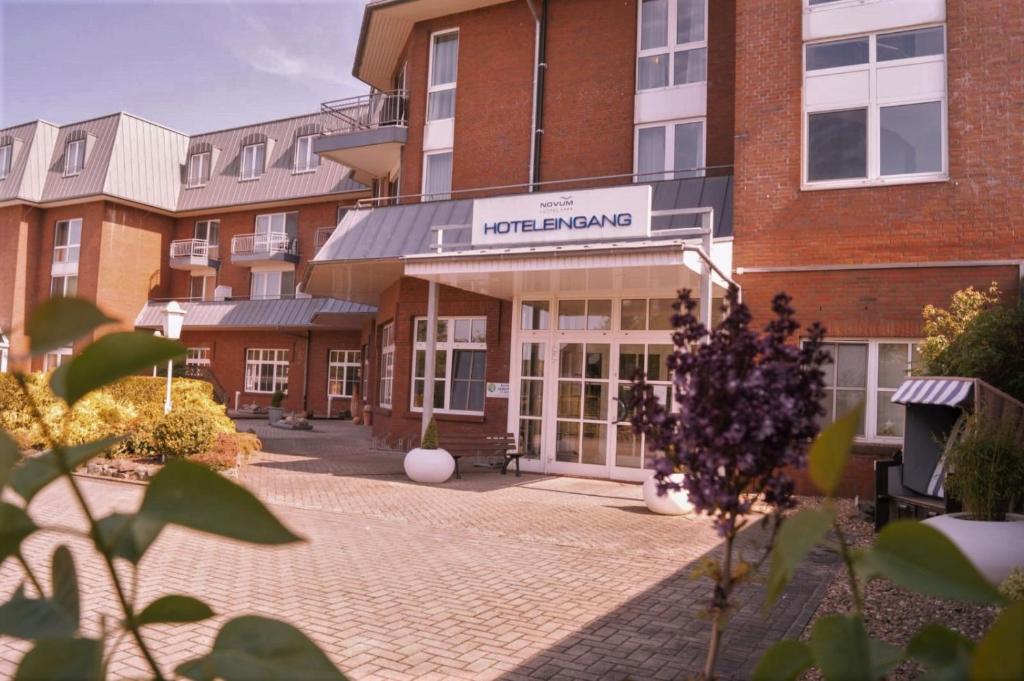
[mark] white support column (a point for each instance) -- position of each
(430, 364)
(707, 222)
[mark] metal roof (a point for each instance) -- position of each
(392, 232)
(289, 312)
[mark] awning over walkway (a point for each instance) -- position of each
(246, 314)
(949, 392)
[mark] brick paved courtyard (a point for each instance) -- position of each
(490, 577)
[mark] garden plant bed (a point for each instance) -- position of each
(891, 613)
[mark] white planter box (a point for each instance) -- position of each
(429, 465)
(671, 503)
(994, 548)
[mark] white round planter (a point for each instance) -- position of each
(429, 465)
(670, 503)
(995, 548)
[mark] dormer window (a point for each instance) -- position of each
(6, 151)
(199, 169)
(305, 159)
(74, 157)
(253, 158)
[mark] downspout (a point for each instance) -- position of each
(539, 69)
(305, 376)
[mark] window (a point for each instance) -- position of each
(5, 346)
(278, 223)
(437, 176)
(209, 231)
(305, 159)
(253, 160)
(54, 358)
(580, 315)
(65, 286)
(264, 285)
(6, 153)
(197, 357)
(444, 66)
(869, 372)
(460, 365)
(672, 47)
(199, 169)
(74, 157)
(67, 241)
(669, 151)
(387, 364)
(266, 371)
(201, 287)
(344, 370)
(875, 109)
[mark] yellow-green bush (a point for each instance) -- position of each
(185, 432)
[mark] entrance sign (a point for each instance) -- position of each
(558, 217)
(499, 390)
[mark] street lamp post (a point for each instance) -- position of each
(174, 317)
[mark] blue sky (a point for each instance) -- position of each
(193, 66)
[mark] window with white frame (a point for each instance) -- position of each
(344, 369)
(278, 223)
(271, 285)
(672, 45)
(67, 241)
(201, 287)
(64, 286)
(460, 365)
(56, 357)
(305, 160)
(444, 67)
(387, 364)
(253, 157)
(875, 108)
(74, 157)
(199, 169)
(870, 372)
(5, 347)
(209, 231)
(6, 153)
(437, 176)
(266, 371)
(197, 357)
(669, 150)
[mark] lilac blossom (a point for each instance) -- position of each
(746, 407)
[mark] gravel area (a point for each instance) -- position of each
(893, 614)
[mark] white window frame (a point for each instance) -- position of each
(5, 346)
(74, 149)
(442, 196)
(212, 238)
(263, 285)
(64, 284)
(871, 386)
(202, 177)
(343, 367)
(670, 150)
(56, 357)
(873, 105)
(670, 48)
(449, 346)
(198, 356)
(248, 169)
(308, 163)
(257, 358)
(387, 365)
(69, 253)
(430, 72)
(6, 160)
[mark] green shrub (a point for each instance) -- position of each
(185, 432)
(429, 440)
(228, 450)
(1013, 586)
(987, 468)
(276, 399)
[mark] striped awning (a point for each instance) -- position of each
(949, 392)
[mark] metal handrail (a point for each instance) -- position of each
(190, 248)
(264, 242)
(523, 187)
(366, 112)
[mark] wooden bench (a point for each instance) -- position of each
(484, 446)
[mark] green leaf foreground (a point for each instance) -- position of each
(39, 471)
(15, 525)
(259, 648)
(63, 659)
(945, 654)
(919, 558)
(831, 449)
(110, 358)
(799, 533)
(10, 455)
(1000, 653)
(65, 583)
(784, 661)
(60, 321)
(174, 610)
(842, 650)
(35, 618)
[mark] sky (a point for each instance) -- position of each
(194, 66)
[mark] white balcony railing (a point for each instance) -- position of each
(264, 244)
(192, 248)
(366, 112)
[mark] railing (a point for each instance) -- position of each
(192, 248)
(322, 235)
(367, 112)
(264, 243)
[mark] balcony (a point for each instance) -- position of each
(322, 235)
(264, 249)
(194, 255)
(365, 133)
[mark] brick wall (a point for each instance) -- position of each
(20, 228)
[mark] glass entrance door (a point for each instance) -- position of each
(581, 414)
(631, 455)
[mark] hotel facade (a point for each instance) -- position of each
(537, 179)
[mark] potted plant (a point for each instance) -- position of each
(275, 412)
(671, 499)
(428, 462)
(985, 461)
